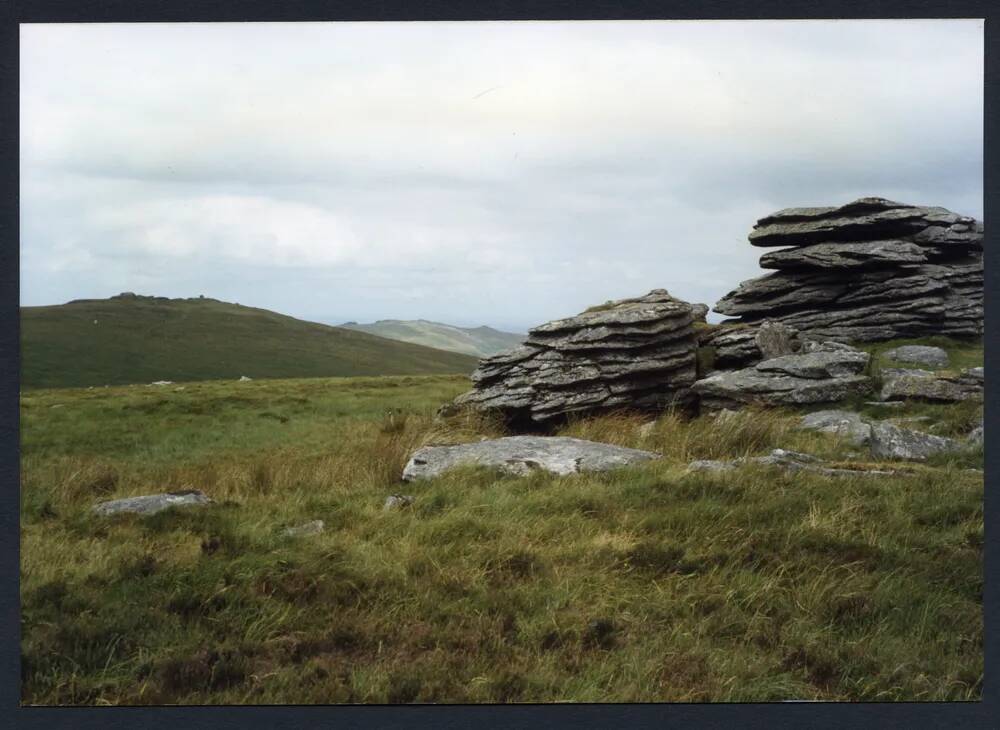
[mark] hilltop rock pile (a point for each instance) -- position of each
(633, 353)
(870, 270)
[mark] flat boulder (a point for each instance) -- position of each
(521, 455)
(152, 503)
(889, 441)
(846, 424)
(920, 354)
(927, 386)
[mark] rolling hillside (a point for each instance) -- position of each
(476, 341)
(137, 339)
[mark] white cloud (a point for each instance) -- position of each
(489, 171)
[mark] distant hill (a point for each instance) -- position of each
(477, 341)
(138, 339)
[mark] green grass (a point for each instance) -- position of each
(646, 584)
(143, 340)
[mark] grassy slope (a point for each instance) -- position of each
(646, 584)
(140, 341)
(477, 341)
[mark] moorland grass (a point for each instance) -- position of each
(645, 584)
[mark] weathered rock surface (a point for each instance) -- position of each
(906, 384)
(774, 339)
(152, 503)
(520, 455)
(920, 354)
(975, 436)
(822, 373)
(846, 424)
(634, 353)
(894, 442)
(870, 270)
(792, 461)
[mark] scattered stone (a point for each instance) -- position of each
(162, 382)
(846, 424)
(632, 353)
(711, 465)
(791, 461)
(521, 455)
(58, 405)
(152, 503)
(244, 379)
(822, 373)
(920, 354)
(975, 436)
(893, 442)
(891, 405)
(398, 501)
(313, 527)
(871, 270)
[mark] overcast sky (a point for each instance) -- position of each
(501, 173)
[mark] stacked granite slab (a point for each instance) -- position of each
(635, 354)
(867, 271)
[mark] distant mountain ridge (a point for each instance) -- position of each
(476, 341)
(131, 338)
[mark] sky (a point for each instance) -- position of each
(498, 173)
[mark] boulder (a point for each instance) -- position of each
(152, 503)
(699, 312)
(635, 354)
(975, 436)
(521, 455)
(823, 373)
(889, 441)
(791, 461)
(924, 385)
(846, 424)
(920, 354)
(871, 270)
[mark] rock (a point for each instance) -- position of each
(313, 527)
(774, 339)
(646, 429)
(699, 312)
(920, 354)
(827, 373)
(162, 382)
(638, 354)
(846, 424)
(398, 501)
(732, 347)
(892, 405)
(871, 270)
(521, 455)
(244, 379)
(893, 442)
(792, 461)
(924, 385)
(711, 465)
(152, 503)
(975, 436)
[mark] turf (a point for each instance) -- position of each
(145, 339)
(646, 584)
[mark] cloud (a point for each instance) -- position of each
(500, 173)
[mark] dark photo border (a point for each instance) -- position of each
(765, 715)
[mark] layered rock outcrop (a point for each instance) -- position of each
(633, 353)
(821, 373)
(870, 270)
